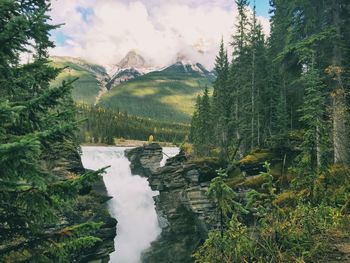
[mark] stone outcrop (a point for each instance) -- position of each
(91, 205)
(145, 160)
(96, 203)
(184, 211)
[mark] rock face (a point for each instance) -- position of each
(183, 209)
(132, 60)
(145, 160)
(97, 205)
(123, 76)
(91, 205)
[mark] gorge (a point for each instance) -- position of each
(132, 203)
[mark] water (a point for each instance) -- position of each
(132, 204)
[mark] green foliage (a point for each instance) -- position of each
(38, 146)
(90, 78)
(296, 83)
(102, 126)
(201, 134)
(222, 194)
(231, 247)
(261, 203)
(280, 235)
(158, 95)
(227, 244)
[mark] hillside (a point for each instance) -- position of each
(164, 95)
(91, 77)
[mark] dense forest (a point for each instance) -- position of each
(283, 99)
(42, 181)
(277, 123)
(103, 126)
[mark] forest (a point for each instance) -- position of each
(47, 210)
(277, 122)
(283, 99)
(104, 125)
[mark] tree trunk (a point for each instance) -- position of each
(341, 138)
(341, 128)
(253, 102)
(318, 146)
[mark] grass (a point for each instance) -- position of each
(87, 87)
(164, 96)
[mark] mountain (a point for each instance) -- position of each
(166, 95)
(187, 67)
(92, 78)
(132, 60)
(131, 66)
(123, 76)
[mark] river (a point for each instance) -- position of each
(132, 203)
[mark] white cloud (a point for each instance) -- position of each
(158, 30)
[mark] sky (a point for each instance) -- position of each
(104, 31)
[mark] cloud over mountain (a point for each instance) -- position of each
(104, 31)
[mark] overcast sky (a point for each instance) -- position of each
(103, 31)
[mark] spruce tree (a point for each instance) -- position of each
(240, 78)
(38, 148)
(221, 100)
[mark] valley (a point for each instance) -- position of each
(137, 88)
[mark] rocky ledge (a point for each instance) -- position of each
(145, 160)
(93, 207)
(185, 214)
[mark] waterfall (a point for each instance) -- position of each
(132, 203)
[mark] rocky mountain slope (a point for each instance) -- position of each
(167, 95)
(92, 78)
(131, 66)
(133, 86)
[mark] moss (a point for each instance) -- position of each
(234, 171)
(187, 148)
(18, 256)
(256, 156)
(236, 181)
(211, 161)
(286, 199)
(334, 186)
(254, 182)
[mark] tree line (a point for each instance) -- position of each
(296, 81)
(286, 95)
(103, 126)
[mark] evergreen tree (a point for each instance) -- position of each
(221, 102)
(201, 126)
(240, 78)
(38, 148)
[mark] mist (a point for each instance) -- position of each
(132, 203)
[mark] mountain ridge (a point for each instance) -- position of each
(161, 94)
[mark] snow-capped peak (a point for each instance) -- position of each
(132, 61)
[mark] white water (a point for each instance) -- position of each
(132, 204)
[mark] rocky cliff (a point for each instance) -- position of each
(90, 205)
(93, 206)
(184, 211)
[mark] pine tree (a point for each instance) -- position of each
(195, 135)
(205, 119)
(38, 148)
(201, 134)
(221, 102)
(240, 78)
